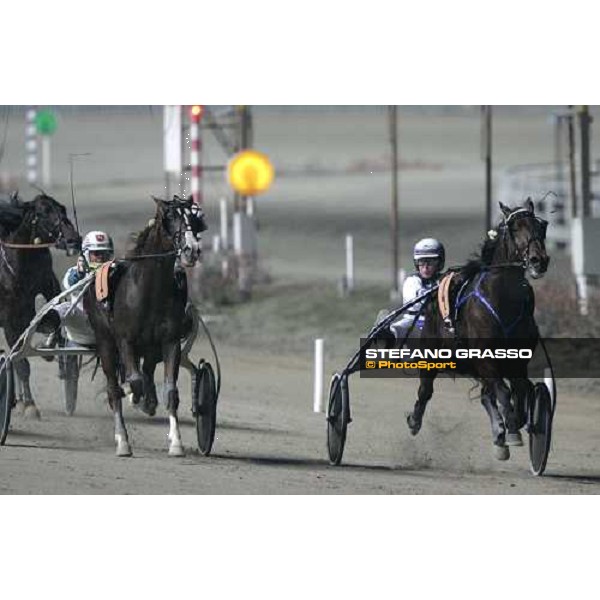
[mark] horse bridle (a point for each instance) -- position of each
(522, 213)
(184, 212)
(35, 226)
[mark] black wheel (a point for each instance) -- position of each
(540, 428)
(204, 407)
(7, 397)
(69, 373)
(338, 417)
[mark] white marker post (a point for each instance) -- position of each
(216, 244)
(318, 405)
(349, 263)
(224, 225)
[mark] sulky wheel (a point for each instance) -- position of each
(338, 417)
(7, 397)
(69, 373)
(540, 428)
(204, 407)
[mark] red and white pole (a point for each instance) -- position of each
(196, 112)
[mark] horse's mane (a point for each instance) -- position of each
(141, 238)
(11, 217)
(481, 259)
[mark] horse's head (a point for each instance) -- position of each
(49, 223)
(527, 234)
(184, 222)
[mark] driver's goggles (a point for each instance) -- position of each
(429, 262)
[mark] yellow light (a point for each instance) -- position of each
(196, 110)
(250, 173)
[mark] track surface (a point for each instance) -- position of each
(270, 441)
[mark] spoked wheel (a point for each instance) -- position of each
(540, 428)
(338, 417)
(69, 373)
(204, 407)
(7, 397)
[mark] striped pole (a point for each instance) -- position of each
(31, 145)
(196, 152)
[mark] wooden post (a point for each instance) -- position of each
(393, 119)
(572, 176)
(486, 112)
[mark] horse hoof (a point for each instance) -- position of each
(501, 452)
(176, 450)
(149, 409)
(414, 426)
(30, 411)
(123, 449)
(514, 439)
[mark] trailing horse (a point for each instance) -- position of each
(27, 231)
(143, 317)
(492, 300)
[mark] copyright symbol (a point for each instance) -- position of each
(370, 364)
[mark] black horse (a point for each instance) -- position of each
(27, 231)
(144, 315)
(493, 300)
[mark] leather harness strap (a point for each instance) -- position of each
(444, 295)
(102, 281)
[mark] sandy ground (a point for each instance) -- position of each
(268, 439)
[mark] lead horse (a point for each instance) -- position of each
(144, 315)
(27, 232)
(492, 299)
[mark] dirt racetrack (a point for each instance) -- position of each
(269, 441)
(268, 438)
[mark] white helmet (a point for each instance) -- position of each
(100, 243)
(429, 248)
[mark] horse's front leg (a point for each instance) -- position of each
(415, 418)
(25, 402)
(134, 381)
(108, 359)
(172, 358)
(150, 401)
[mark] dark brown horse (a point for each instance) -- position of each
(27, 231)
(144, 317)
(492, 300)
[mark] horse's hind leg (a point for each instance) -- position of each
(521, 388)
(150, 401)
(172, 358)
(415, 418)
(133, 378)
(502, 393)
(488, 401)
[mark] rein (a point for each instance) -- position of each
(143, 256)
(27, 246)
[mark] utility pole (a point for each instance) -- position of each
(486, 118)
(584, 125)
(393, 122)
(572, 177)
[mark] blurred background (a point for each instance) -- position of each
(333, 178)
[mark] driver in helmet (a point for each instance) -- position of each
(429, 257)
(97, 248)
